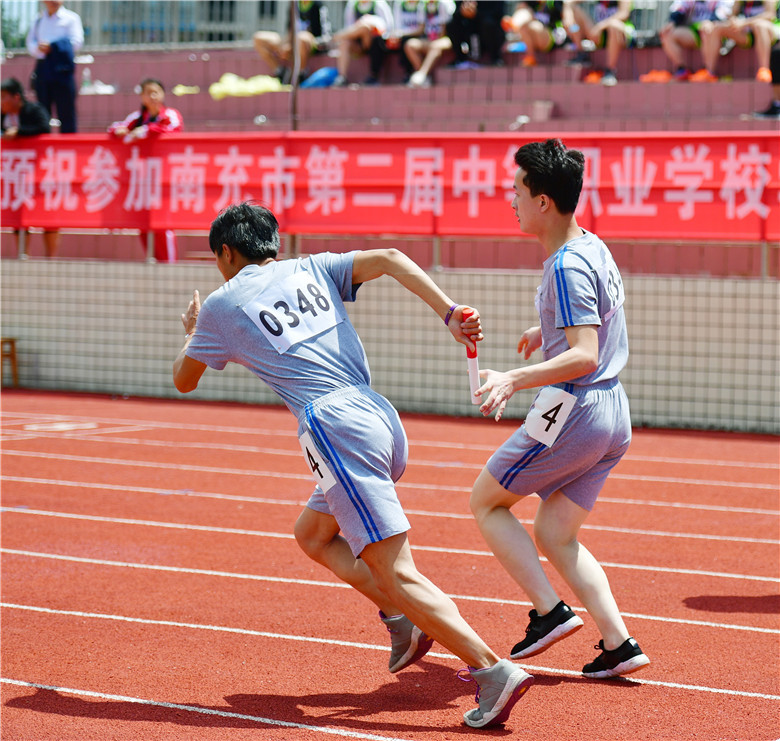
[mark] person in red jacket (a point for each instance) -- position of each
(152, 119)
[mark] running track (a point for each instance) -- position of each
(152, 588)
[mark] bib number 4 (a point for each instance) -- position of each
(547, 416)
(316, 463)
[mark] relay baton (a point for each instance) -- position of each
(473, 363)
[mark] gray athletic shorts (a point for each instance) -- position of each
(594, 438)
(360, 436)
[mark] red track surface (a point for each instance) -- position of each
(152, 588)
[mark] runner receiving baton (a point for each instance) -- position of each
(578, 427)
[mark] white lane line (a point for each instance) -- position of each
(430, 549)
(94, 436)
(211, 469)
(200, 710)
(400, 485)
(19, 418)
(342, 585)
(24, 509)
(351, 644)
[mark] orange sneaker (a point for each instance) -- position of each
(593, 77)
(529, 61)
(656, 75)
(764, 74)
(703, 75)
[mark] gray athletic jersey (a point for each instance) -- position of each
(581, 284)
(286, 322)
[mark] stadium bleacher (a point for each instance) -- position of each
(551, 95)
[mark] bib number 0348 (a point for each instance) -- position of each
(294, 310)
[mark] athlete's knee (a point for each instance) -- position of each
(310, 536)
(551, 540)
(486, 495)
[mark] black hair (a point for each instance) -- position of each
(152, 81)
(552, 169)
(12, 86)
(250, 229)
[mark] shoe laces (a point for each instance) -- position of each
(465, 676)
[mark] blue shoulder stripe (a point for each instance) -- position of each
(563, 294)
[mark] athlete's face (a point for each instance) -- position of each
(525, 206)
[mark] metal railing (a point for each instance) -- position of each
(116, 25)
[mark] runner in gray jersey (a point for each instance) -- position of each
(578, 427)
(285, 321)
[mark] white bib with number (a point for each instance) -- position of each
(547, 416)
(293, 310)
(316, 464)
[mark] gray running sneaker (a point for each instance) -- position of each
(500, 687)
(408, 642)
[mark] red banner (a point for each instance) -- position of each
(716, 186)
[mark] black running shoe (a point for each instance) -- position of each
(772, 112)
(626, 658)
(544, 630)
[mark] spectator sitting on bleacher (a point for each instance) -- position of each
(425, 52)
(688, 21)
(476, 32)
(153, 118)
(363, 20)
(607, 26)
(773, 111)
(754, 25)
(312, 33)
(407, 24)
(539, 26)
(20, 118)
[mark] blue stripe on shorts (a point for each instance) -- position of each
(363, 444)
(526, 460)
(341, 473)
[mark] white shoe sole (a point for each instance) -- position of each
(634, 664)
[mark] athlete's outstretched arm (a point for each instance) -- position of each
(371, 264)
(186, 370)
(582, 357)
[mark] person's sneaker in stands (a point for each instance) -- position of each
(339, 81)
(499, 688)
(419, 79)
(703, 75)
(656, 75)
(609, 79)
(544, 630)
(773, 111)
(681, 74)
(408, 643)
(625, 659)
(593, 76)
